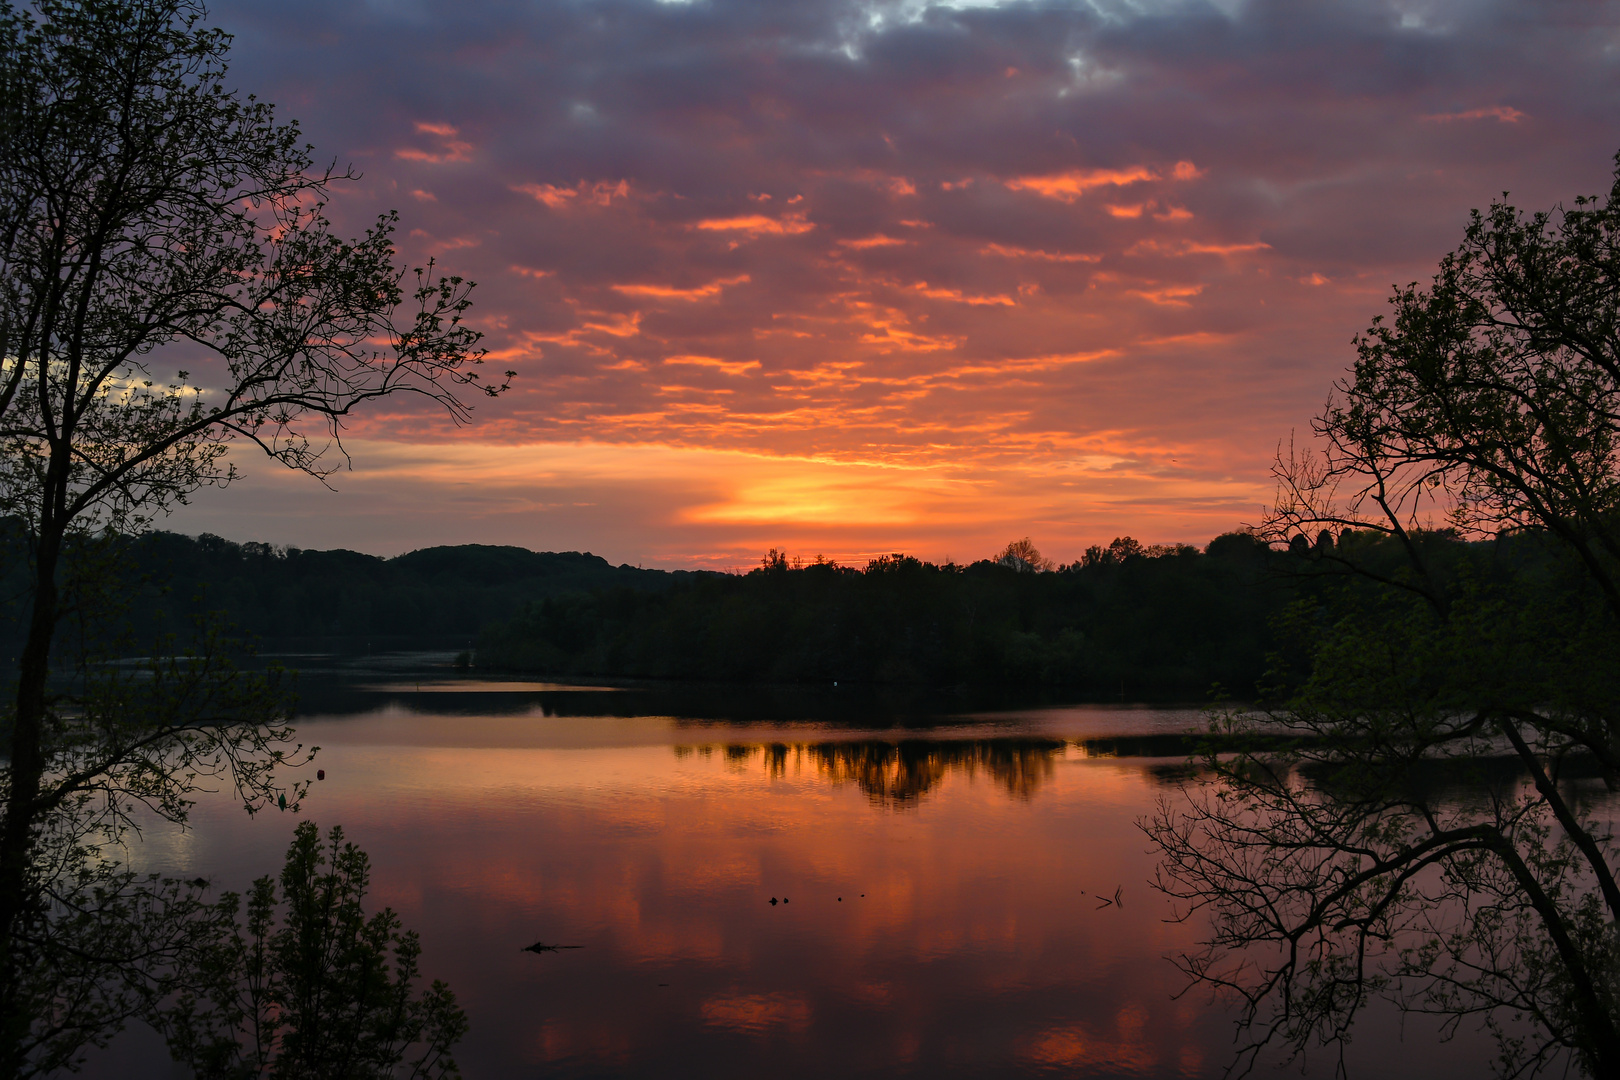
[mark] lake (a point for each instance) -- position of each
(962, 890)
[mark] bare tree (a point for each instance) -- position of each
(1408, 818)
(1024, 556)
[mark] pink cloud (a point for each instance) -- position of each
(451, 148)
(1501, 113)
(599, 193)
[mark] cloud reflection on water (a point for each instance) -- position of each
(943, 917)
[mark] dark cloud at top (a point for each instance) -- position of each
(1053, 231)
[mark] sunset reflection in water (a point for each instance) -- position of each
(941, 900)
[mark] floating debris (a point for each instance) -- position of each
(542, 947)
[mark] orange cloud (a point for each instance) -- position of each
(1502, 113)
(669, 292)
(615, 324)
(1188, 247)
(1134, 211)
(1225, 249)
(439, 247)
(757, 225)
(879, 240)
(725, 367)
(1170, 295)
(453, 148)
(958, 296)
(1008, 252)
(1069, 186)
(600, 193)
(895, 185)
(552, 196)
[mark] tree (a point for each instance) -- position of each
(1410, 818)
(328, 995)
(155, 223)
(1023, 556)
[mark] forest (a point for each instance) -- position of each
(290, 600)
(1125, 621)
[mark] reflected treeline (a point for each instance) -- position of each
(897, 775)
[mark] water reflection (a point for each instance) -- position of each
(897, 775)
(327, 691)
(953, 933)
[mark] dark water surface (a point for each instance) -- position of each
(942, 871)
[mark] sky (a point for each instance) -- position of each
(847, 278)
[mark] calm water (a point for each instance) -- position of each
(942, 873)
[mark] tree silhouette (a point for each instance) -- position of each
(155, 223)
(1430, 829)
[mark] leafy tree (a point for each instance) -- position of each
(155, 223)
(1435, 826)
(330, 994)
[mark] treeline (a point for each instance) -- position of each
(1123, 621)
(167, 585)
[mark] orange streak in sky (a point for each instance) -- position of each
(1069, 186)
(757, 223)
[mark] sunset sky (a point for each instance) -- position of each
(849, 278)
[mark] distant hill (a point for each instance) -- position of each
(344, 601)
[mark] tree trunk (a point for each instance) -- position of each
(26, 767)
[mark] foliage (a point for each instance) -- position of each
(329, 994)
(154, 223)
(106, 944)
(1160, 624)
(1438, 826)
(1492, 399)
(95, 942)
